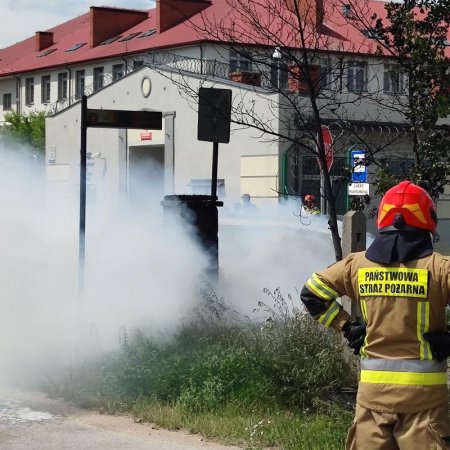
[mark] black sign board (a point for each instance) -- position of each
(112, 118)
(214, 115)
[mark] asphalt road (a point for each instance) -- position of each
(31, 421)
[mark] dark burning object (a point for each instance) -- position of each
(200, 212)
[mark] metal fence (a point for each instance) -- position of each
(161, 60)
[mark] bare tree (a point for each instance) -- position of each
(286, 48)
(412, 38)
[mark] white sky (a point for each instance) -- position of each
(22, 18)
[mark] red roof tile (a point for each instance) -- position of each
(23, 57)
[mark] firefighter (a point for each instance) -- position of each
(309, 206)
(402, 287)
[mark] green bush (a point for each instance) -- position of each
(218, 358)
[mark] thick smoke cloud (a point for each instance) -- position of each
(139, 272)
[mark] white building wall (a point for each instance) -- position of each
(191, 158)
(353, 106)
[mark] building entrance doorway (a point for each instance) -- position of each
(146, 175)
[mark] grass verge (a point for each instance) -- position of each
(276, 382)
(286, 430)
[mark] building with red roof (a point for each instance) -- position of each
(132, 59)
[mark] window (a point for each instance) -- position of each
(371, 34)
(29, 91)
(75, 47)
(326, 79)
(137, 63)
(303, 177)
(46, 52)
(346, 10)
(357, 76)
(441, 41)
(45, 89)
(394, 80)
(299, 76)
(147, 33)
(98, 78)
(129, 37)
(118, 71)
(6, 102)
(279, 74)
(79, 84)
(110, 40)
(62, 86)
(239, 62)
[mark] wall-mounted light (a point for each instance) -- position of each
(277, 53)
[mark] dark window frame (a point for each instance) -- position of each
(80, 83)
(118, 71)
(63, 85)
(29, 91)
(357, 76)
(7, 101)
(99, 75)
(45, 88)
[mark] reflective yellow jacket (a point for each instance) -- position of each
(399, 303)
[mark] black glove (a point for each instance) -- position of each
(355, 333)
(439, 343)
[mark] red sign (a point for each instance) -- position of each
(328, 143)
(146, 136)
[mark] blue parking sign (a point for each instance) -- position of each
(359, 169)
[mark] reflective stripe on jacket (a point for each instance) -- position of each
(399, 303)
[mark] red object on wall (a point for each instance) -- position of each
(297, 81)
(146, 136)
(252, 78)
(328, 143)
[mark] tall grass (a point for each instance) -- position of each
(278, 379)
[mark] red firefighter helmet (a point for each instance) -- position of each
(411, 202)
(310, 198)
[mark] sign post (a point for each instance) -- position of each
(359, 185)
(104, 118)
(214, 116)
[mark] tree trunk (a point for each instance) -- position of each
(332, 217)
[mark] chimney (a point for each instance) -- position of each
(109, 22)
(43, 40)
(172, 12)
(311, 11)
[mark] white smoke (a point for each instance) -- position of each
(138, 271)
(276, 249)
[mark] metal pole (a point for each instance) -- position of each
(278, 75)
(214, 170)
(322, 193)
(82, 232)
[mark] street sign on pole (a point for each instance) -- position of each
(360, 189)
(359, 169)
(214, 118)
(115, 118)
(214, 115)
